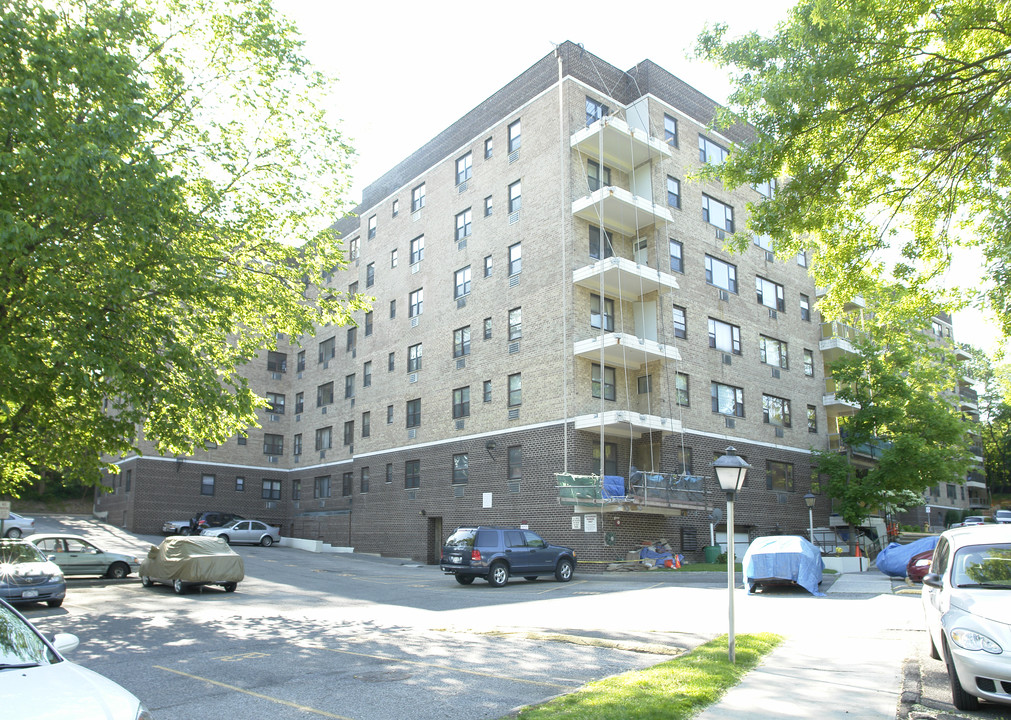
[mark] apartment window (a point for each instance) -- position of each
(463, 224)
(349, 432)
(515, 196)
(773, 352)
(368, 323)
(808, 363)
(515, 323)
(489, 146)
(352, 339)
(418, 198)
(296, 489)
(414, 358)
(324, 438)
(487, 265)
(389, 472)
(327, 349)
(514, 462)
(461, 342)
(775, 411)
(391, 361)
(764, 242)
(389, 414)
(673, 192)
(486, 391)
(515, 136)
(207, 485)
(324, 394)
(710, 152)
(364, 482)
(372, 227)
(487, 328)
(241, 439)
(349, 386)
(461, 403)
(724, 337)
(276, 403)
(515, 259)
(273, 444)
(779, 476)
(417, 249)
(321, 486)
(461, 279)
(812, 419)
(716, 213)
(680, 322)
(461, 468)
(366, 424)
(595, 110)
(766, 189)
(600, 249)
(645, 384)
(610, 458)
(463, 168)
(277, 361)
(770, 294)
(414, 413)
(681, 390)
(596, 176)
(367, 374)
(393, 309)
(296, 444)
(412, 474)
(602, 313)
(802, 258)
(488, 207)
(727, 399)
(677, 262)
(396, 208)
(608, 381)
(300, 361)
(370, 274)
(355, 248)
(416, 302)
(805, 307)
(271, 490)
(683, 459)
(353, 289)
(721, 274)
(515, 390)
(394, 253)
(670, 130)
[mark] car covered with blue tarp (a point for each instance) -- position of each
(892, 561)
(783, 560)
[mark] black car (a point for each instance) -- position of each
(495, 553)
(200, 521)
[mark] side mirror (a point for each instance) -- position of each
(65, 642)
(933, 580)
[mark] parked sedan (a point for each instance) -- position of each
(27, 576)
(966, 600)
(77, 556)
(246, 531)
(37, 681)
(187, 562)
(919, 565)
(16, 526)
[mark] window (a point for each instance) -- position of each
(321, 486)
(764, 242)
(773, 352)
(597, 177)
(241, 439)
(779, 476)
(389, 472)
(600, 250)
(296, 444)
(207, 485)
(515, 197)
(514, 462)
(683, 459)
(461, 468)
(463, 223)
(417, 249)
(515, 137)
(414, 358)
(414, 413)
(710, 152)
(393, 257)
(487, 328)
(515, 259)
(766, 189)
(463, 168)
(271, 490)
(808, 363)
(296, 489)
(370, 274)
(515, 323)
(680, 322)
(366, 424)
(775, 411)
(389, 414)
(487, 265)
(770, 294)
(277, 361)
(645, 384)
(812, 419)
(349, 432)
(273, 444)
(349, 386)
(716, 213)
(372, 227)
(327, 349)
(670, 130)
(276, 403)
(364, 483)
(486, 391)
(355, 248)
(681, 390)
(805, 307)
(324, 394)
(396, 208)
(610, 458)
(461, 342)
(489, 146)
(416, 303)
(721, 274)
(461, 403)
(300, 362)
(727, 399)
(367, 374)
(391, 361)
(393, 309)
(368, 323)
(594, 111)
(418, 198)
(488, 208)
(724, 337)
(677, 263)
(324, 438)
(412, 474)
(602, 315)
(515, 390)
(673, 192)
(461, 279)
(347, 480)
(609, 382)
(352, 339)
(802, 258)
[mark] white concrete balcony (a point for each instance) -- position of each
(617, 209)
(626, 424)
(834, 405)
(623, 278)
(854, 303)
(975, 484)
(612, 142)
(837, 340)
(624, 350)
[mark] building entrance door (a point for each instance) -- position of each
(434, 540)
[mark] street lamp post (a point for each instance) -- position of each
(809, 501)
(730, 470)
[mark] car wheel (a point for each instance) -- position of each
(531, 578)
(179, 587)
(563, 571)
(266, 541)
(54, 603)
(933, 648)
(230, 587)
(498, 575)
(464, 579)
(118, 571)
(146, 581)
(224, 537)
(185, 531)
(959, 697)
(14, 533)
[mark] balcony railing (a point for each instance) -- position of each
(642, 492)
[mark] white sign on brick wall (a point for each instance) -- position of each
(575, 522)
(486, 500)
(590, 523)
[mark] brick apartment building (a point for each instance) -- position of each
(552, 295)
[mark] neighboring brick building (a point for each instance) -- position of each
(550, 286)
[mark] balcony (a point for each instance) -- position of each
(851, 305)
(643, 493)
(837, 340)
(624, 350)
(968, 399)
(626, 424)
(622, 278)
(619, 210)
(834, 404)
(612, 142)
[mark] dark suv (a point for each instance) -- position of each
(495, 553)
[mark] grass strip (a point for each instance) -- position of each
(674, 690)
(630, 646)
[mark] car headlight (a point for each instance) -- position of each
(972, 640)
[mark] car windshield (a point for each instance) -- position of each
(463, 538)
(19, 553)
(982, 566)
(19, 645)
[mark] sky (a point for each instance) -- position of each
(407, 70)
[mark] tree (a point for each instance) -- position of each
(995, 417)
(889, 119)
(164, 170)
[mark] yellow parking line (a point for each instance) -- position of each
(255, 694)
(560, 586)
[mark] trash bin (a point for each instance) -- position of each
(712, 553)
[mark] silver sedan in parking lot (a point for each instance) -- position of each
(253, 532)
(16, 526)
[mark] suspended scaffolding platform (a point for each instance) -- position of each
(643, 492)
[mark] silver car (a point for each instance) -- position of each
(253, 532)
(77, 556)
(27, 576)
(17, 526)
(966, 600)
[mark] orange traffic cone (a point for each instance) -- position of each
(858, 550)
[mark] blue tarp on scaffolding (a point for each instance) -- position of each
(614, 487)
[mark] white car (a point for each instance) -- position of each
(37, 682)
(967, 606)
(17, 526)
(246, 531)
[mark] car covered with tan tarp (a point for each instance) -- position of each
(186, 562)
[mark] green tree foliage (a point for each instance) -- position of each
(890, 119)
(994, 375)
(164, 170)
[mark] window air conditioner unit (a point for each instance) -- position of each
(775, 372)
(412, 378)
(730, 423)
(724, 296)
(720, 234)
(461, 363)
(727, 359)
(461, 302)
(414, 322)
(462, 245)
(779, 432)
(772, 314)
(770, 256)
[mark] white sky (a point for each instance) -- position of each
(406, 70)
